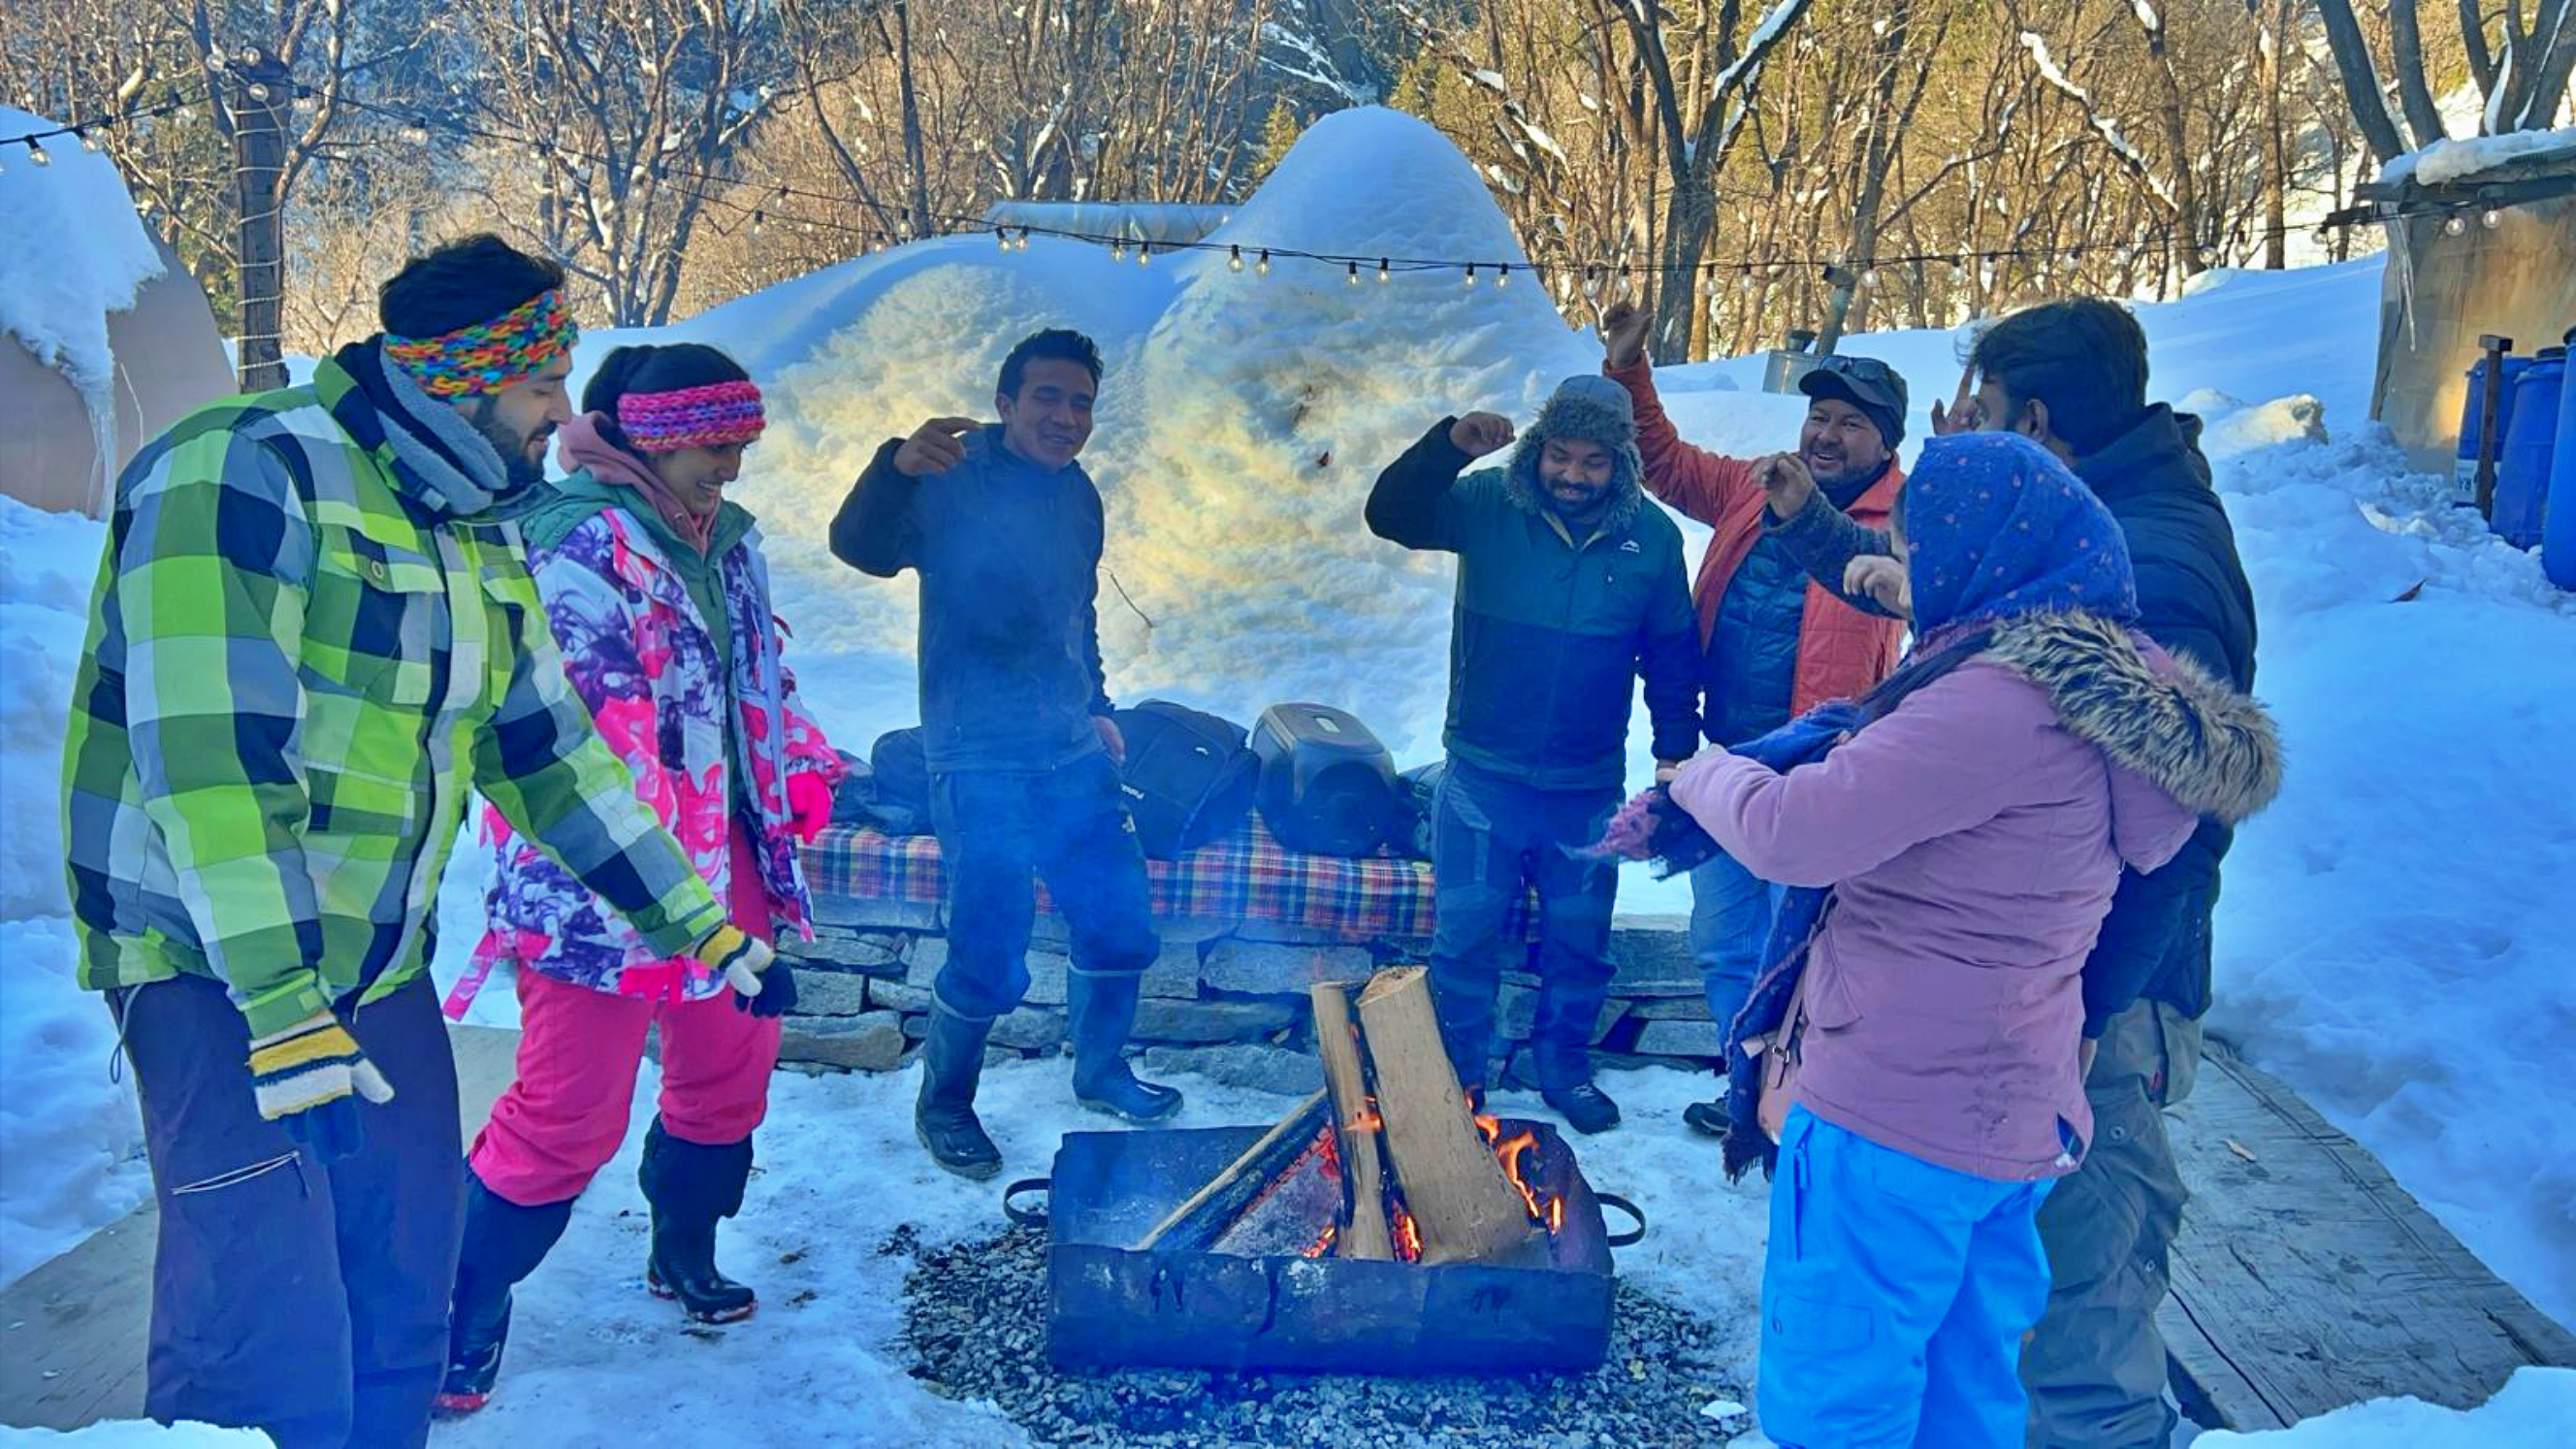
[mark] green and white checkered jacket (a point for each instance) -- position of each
(299, 663)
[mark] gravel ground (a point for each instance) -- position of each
(975, 1320)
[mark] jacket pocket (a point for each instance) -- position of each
(1831, 1003)
(1815, 1325)
(370, 620)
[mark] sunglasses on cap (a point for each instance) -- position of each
(1867, 371)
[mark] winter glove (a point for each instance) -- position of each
(777, 993)
(740, 957)
(303, 1079)
(809, 804)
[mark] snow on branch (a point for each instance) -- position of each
(2103, 126)
(1758, 47)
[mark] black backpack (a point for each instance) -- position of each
(1188, 777)
(893, 795)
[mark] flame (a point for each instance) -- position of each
(1408, 1238)
(1509, 1154)
(1324, 1244)
(1367, 1120)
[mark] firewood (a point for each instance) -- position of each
(1207, 1213)
(1462, 1207)
(1356, 1128)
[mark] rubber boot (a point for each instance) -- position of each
(504, 1242)
(1103, 1012)
(692, 1186)
(943, 1117)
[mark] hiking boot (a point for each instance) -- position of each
(943, 1116)
(1706, 1118)
(1103, 1010)
(503, 1243)
(691, 1187)
(1586, 1108)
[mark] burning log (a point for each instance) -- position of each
(1461, 1205)
(1198, 1222)
(1356, 1126)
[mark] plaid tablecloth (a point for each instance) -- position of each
(1246, 876)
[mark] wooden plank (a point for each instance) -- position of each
(1463, 1208)
(1355, 1125)
(73, 1331)
(1204, 1215)
(2306, 1279)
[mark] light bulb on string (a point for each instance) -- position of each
(2491, 218)
(1383, 273)
(1708, 282)
(1503, 278)
(1592, 284)
(1002, 239)
(1869, 276)
(36, 152)
(1234, 261)
(1262, 268)
(1351, 273)
(1471, 274)
(1118, 252)
(2455, 225)
(759, 222)
(88, 142)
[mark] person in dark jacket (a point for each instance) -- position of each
(1004, 528)
(1773, 642)
(1569, 586)
(2072, 376)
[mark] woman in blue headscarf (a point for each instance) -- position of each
(1970, 828)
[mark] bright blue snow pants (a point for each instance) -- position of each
(1894, 1297)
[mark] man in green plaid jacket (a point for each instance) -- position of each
(312, 636)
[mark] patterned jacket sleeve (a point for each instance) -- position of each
(543, 765)
(808, 752)
(212, 553)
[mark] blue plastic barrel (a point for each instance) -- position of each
(2464, 474)
(2558, 528)
(2522, 468)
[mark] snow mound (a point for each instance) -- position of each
(72, 250)
(68, 1133)
(137, 1434)
(2462, 158)
(2535, 1410)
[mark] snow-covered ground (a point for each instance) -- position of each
(2392, 939)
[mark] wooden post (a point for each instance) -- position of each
(260, 93)
(1359, 1131)
(1462, 1207)
(2489, 406)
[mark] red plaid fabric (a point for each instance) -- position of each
(1246, 876)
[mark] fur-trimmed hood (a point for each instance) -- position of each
(1591, 409)
(2216, 751)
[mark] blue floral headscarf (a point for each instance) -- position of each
(1995, 526)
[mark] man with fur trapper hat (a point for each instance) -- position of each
(1570, 585)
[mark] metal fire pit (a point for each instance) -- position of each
(1109, 1305)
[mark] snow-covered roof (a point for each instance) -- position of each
(72, 250)
(2452, 162)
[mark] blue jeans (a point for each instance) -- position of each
(1493, 838)
(999, 831)
(1894, 1296)
(1730, 923)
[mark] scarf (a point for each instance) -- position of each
(582, 447)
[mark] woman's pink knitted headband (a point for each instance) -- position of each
(691, 417)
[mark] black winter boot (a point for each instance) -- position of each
(943, 1117)
(1103, 1010)
(504, 1242)
(690, 1187)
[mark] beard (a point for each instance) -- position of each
(521, 471)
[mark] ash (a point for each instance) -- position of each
(975, 1321)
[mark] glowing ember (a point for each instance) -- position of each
(1408, 1238)
(1324, 1244)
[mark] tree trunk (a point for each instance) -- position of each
(2276, 38)
(259, 159)
(911, 119)
(2187, 204)
(2360, 79)
(2406, 57)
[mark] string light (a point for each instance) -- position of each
(2454, 225)
(1118, 252)
(759, 222)
(1503, 278)
(1264, 268)
(2491, 218)
(1144, 254)
(1234, 262)
(88, 142)
(1002, 238)
(1351, 273)
(36, 153)
(1383, 274)
(1471, 274)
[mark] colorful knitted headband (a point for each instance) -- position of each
(691, 417)
(488, 356)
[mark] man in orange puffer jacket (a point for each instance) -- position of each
(1773, 642)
